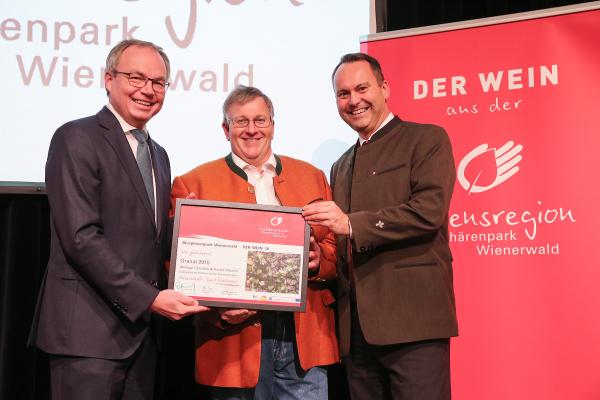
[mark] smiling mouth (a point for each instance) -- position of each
(359, 111)
(142, 102)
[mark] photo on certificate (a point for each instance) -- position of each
(239, 255)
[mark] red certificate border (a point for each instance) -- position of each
(255, 208)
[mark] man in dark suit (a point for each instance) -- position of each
(392, 192)
(108, 187)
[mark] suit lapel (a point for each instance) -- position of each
(343, 180)
(280, 185)
(116, 138)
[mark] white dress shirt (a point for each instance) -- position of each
(262, 181)
(384, 123)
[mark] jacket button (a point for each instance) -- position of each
(251, 189)
(257, 323)
(363, 248)
(154, 283)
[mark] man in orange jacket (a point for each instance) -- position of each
(245, 354)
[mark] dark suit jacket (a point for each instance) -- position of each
(397, 192)
(107, 253)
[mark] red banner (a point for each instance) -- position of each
(520, 103)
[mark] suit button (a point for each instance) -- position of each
(251, 189)
(257, 323)
(363, 248)
(154, 283)
(343, 258)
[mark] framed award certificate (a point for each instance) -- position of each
(239, 255)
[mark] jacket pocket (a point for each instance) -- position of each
(389, 168)
(415, 263)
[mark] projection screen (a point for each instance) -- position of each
(54, 53)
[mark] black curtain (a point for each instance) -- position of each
(24, 249)
(395, 15)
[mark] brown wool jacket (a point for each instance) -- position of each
(396, 191)
(230, 357)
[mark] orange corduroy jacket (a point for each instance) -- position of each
(230, 356)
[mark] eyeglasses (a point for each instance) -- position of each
(259, 122)
(139, 81)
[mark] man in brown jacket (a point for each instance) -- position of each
(392, 192)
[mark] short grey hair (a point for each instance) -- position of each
(243, 94)
(112, 60)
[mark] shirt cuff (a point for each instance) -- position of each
(350, 229)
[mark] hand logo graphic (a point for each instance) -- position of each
(276, 221)
(493, 166)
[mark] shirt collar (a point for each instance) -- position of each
(271, 163)
(384, 123)
(124, 125)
